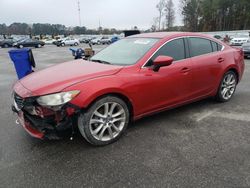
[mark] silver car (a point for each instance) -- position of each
(246, 49)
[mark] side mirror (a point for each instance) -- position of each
(162, 61)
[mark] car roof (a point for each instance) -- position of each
(162, 35)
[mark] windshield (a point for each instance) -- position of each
(125, 52)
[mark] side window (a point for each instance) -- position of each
(174, 49)
(219, 47)
(216, 47)
(200, 46)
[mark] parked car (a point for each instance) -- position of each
(105, 40)
(219, 37)
(246, 49)
(85, 40)
(57, 42)
(114, 39)
(130, 79)
(49, 41)
(6, 43)
(68, 42)
(96, 41)
(28, 43)
(239, 40)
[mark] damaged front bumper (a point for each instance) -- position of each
(44, 123)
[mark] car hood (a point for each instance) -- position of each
(56, 78)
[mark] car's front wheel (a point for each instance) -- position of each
(76, 44)
(105, 121)
(227, 87)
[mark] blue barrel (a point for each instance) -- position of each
(23, 61)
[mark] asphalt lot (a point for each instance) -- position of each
(204, 144)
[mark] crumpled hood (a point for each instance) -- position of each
(56, 78)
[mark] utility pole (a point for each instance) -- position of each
(79, 13)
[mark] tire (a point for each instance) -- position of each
(227, 87)
(20, 46)
(5, 45)
(105, 121)
(63, 44)
(76, 44)
(39, 46)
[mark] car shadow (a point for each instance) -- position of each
(180, 117)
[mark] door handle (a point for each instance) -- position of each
(185, 70)
(220, 60)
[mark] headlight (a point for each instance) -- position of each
(57, 99)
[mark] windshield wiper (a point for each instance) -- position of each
(101, 61)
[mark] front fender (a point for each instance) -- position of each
(93, 89)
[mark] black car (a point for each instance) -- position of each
(7, 43)
(29, 43)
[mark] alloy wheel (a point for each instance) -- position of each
(228, 86)
(107, 121)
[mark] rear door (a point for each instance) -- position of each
(206, 65)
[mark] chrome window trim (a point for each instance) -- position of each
(183, 37)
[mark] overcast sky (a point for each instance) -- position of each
(121, 14)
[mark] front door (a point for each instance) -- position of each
(169, 86)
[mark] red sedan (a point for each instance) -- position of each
(134, 77)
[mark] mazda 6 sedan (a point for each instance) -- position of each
(132, 78)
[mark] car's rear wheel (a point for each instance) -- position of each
(227, 87)
(63, 44)
(20, 46)
(5, 45)
(105, 121)
(76, 44)
(39, 46)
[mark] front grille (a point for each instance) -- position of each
(19, 101)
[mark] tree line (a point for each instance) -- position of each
(51, 29)
(204, 15)
(216, 15)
